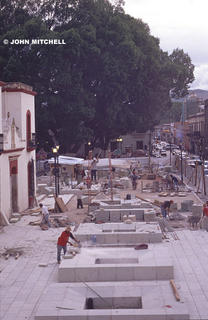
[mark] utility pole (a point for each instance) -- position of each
(149, 162)
(181, 164)
(110, 174)
(205, 149)
(89, 178)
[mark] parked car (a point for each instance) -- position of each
(192, 162)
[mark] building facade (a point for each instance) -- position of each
(17, 148)
(196, 132)
(132, 144)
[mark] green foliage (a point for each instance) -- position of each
(173, 114)
(110, 78)
(182, 73)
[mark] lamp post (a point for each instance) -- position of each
(120, 144)
(170, 143)
(56, 169)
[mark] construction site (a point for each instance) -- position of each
(132, 263)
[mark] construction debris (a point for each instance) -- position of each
(43, 265)
(141, 246)
(12, 252)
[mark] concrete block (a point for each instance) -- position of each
(144, 204)
(132, 217)
(149, 216)
(123, 273)
(139, 215)
(86, 274)
(196, 209)
(186, 205)
(145, 273)
(102, 215)
(124, 217)
(111, 238)
(107, 273)
(164, 273)
(94, 206)
(126, 205)
(14, 220)
(174, 206)
(115, 216)
(68, 256)
(42, 264)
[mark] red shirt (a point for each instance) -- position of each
(64, 237)
(205, 211)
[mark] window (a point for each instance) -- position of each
(139, 144)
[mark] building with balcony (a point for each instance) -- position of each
(17, 148)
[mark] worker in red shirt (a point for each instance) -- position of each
(205, 216)
(62, 242)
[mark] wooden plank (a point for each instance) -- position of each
(61, 204)
(175, 291)
(3, 219)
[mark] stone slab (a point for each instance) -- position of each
(111, 300)
(120, 233)
(150, 264)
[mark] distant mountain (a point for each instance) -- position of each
(199, 93)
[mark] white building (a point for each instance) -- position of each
(17, 148)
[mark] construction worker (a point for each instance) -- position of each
(79, 198)
(174, 182)
(62, 242)
(88, 182)
(134, 178)
(165, 208)
(94, 169)
(45, 215)
(205, 216)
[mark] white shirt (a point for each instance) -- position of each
(44, 210)
(94, 164)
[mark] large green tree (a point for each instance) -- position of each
(110, 78)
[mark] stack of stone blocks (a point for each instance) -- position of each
(143, 211)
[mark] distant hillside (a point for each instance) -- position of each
(199, 93)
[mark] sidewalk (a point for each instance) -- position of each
(22, 281)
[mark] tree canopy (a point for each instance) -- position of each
(110, 78)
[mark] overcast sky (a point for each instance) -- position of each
(178, 24)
